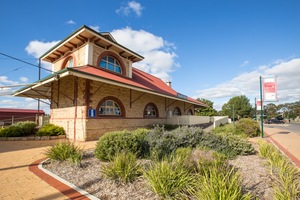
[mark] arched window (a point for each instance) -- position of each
(150, 110)
(110, 106)
(69, 62)
(176, 112)
(110, 63)
(190, 112)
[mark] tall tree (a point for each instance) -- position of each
(271, 110)
(239, 104)
(209, 111)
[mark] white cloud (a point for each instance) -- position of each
(245, 63)
(247, 84)
(5, 81)
(23, 79)
(96, 28)
(37, 48)
(71, 22)
(132, 6)
(160, 58)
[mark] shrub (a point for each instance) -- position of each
(219, 181)
(117, 141)
(230, 145)
(63, 151)
(19, 129)
(123, 167)
(170, 179)
(51, 130)
(163, 143)
(225, 129)
(248, 126)
(285, 175)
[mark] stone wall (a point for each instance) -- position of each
(72, 97)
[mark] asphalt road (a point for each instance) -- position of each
(292, 127)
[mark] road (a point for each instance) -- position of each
(292, 127)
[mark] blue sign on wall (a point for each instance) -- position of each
(92, 113)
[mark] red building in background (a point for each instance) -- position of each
(10, 116)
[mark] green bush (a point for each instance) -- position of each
(247, 126)
(123, 167)
(51, 130)
(64, 151)
(117, 141)
(19, 129)
(286, 176)
(230, 145)
(227, 129)
(219, 181)
(170, 179)
(163, 143)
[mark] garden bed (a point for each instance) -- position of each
(254, 174)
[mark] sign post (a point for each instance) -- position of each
(268, 93)
(261, 110)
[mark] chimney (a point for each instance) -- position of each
(169, 83)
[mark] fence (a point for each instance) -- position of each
(42, 119)
(188, 120)
(220, 121)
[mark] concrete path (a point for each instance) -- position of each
(16, 181)
(287, 142)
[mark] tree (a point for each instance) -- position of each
(209, 111)
(271, 110)
(241, 105)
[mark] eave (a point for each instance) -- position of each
(84, 35)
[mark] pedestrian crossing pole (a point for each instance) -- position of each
(261, 110)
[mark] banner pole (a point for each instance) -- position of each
(261, 110)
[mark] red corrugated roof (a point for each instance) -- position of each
(139, 79)
(16, 110)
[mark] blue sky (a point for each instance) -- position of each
(212, 49)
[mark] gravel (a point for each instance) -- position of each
(254, 174)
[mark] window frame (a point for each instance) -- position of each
(115, 100)
(179, 111)
(190, 111)
(116, 59)
(155, 109)
(66, 62)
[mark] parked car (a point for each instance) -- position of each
(274, 121)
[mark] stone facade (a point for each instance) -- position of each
(72, 97)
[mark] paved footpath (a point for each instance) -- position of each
(287, 142)
(16, 181)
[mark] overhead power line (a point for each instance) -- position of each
(28, 63)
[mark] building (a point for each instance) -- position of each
(10, 116)
(95, 89)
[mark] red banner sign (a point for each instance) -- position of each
(270, 88)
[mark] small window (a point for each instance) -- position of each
(177, 112)
(110, 107)
(70, 62)
(150, 110)
(190, 112)
(110, 63)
